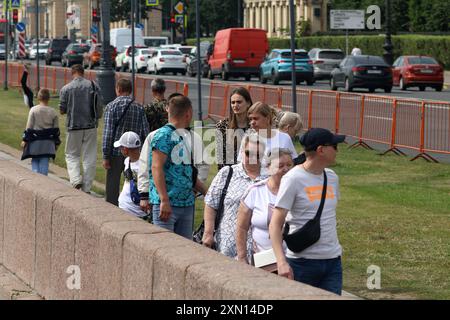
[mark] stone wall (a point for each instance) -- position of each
(46, 227)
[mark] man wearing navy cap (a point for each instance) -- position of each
(298, 201)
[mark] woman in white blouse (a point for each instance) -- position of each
(255, 210)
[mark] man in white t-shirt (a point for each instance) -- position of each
(130, 145)
(298, 201)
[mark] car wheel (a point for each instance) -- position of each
(183, 73)
(210, 74)
(402, 84)
(388, 89)
(63, 64)
(248, 77)
(310, 82)
(439, 88)
(174, 73)
(422, 88)
(262, 79)
(156, 70)
(333, 84)
(224, 74)
(275, 78)
(371, 90)
(347, 85)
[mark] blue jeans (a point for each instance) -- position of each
(40, 165)
(181, 220)
(324, 274)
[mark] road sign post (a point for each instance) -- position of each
(346, 20)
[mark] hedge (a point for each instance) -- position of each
(435, 46)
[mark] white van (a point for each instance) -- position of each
(121, 37)
(155, 41)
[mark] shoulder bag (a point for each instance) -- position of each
(309, 234)
(198, 234)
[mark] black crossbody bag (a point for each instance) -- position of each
(198, 234)
(309, 234)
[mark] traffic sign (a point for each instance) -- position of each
(15, 4)
(347, 19)
(94, 29)
(140, 26)
(151, 3)
(20, 27)
(179, 7)
(179, 18)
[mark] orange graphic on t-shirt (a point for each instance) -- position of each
(315, 193)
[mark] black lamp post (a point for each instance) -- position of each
(388, 54)
(106, 74)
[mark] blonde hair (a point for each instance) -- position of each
(43, 95)
(275, 154)
(291, 119)
(263, 109)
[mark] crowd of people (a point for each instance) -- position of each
(263, 190)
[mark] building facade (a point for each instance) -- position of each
(58, 17)
(274, 16)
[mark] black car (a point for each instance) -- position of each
(74, 54)
(369, 72)
(55, 50)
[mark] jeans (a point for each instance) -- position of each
(81, 144)
(40, 165)
(324, 274)
(181, 220)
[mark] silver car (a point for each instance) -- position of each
(324, 61)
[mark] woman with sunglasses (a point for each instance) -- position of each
(229, 132)
(255, 210)
(243, 175)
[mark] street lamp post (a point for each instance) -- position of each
(106, 74)
(388, 54)
(293, 75)
(199, 61)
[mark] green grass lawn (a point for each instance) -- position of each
(393, 213)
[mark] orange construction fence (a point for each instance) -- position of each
(54, 78)
(423, 126)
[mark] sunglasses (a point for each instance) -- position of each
(335, 147)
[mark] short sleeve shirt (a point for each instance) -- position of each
(177, 169)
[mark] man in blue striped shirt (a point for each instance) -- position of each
(121, 115)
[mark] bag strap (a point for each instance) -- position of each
(116, 125)
(222, 199)
(324, 195)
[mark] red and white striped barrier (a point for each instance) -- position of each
(22, 53)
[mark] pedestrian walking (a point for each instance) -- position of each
(81, 101)
(121, 115)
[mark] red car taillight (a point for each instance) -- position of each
(72, 52)
(310, 62)
(358, 69)
(162, 59)
(318, 62)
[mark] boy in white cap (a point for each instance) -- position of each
(130, 147)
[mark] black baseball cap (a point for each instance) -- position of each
(320, 137)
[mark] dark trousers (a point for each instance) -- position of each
(113, 179)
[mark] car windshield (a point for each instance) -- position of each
(298, 55)
(422, 60)
(171, 53)
(79, 48)
(185, 50)
(335, 55)
(2, 46)
(60, 44)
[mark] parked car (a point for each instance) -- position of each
(238, 52)
(324, 61)
(418, 71)
(123, 60)
(42, 51)
(363, 71)
(192, 62)
(141, 57)
(74, 54)
(186, 50)
(166, 60)
(278, 66)
(92, 57)
(55, 49)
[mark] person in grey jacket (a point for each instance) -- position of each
(81, 101)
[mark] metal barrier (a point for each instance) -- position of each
(423, 126)
(54, 78)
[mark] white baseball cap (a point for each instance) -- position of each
(129, 140)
